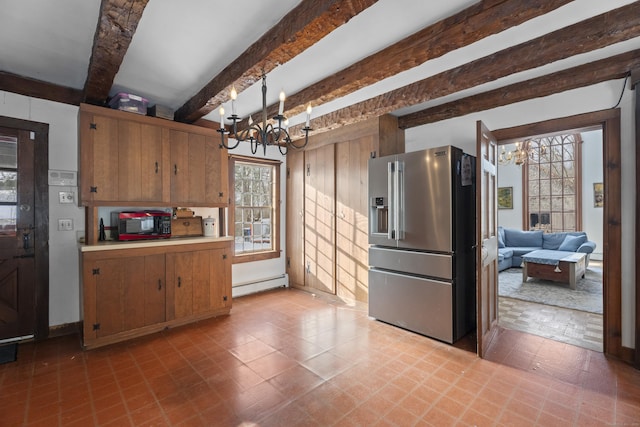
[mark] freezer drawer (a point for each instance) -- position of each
(418, 304)
(422, 263)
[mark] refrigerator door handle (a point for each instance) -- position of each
(390, 188)
(398, 200)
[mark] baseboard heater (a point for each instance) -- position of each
(246, 288)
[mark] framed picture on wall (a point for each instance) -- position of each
(598, 194)
(505, 197)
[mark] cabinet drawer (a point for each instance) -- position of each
(186, 226)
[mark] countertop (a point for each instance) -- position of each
(112, 245)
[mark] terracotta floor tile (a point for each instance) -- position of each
(272, 364)
(285, 358)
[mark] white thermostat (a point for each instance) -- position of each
(63, 178)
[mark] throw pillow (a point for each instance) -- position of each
(572, 243)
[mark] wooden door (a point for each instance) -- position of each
(352, 261)
(154, 289)
(295, 217)
(216, 173)
(179, 168)
(179, 284)
(140, 162)
(220, 278)
(319, 207)
(119, 295)
(18, 236)
(98, 159)
(487, 215)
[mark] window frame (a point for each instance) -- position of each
(275, 219)
(577, 164)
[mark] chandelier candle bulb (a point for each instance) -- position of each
(308, 115)
(281, 107)
(234, 95)
(221, 118)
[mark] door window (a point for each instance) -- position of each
(8, 184)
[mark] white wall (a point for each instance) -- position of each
(592, 172)
(511, 176)
(461, 131)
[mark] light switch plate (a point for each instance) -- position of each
(66, 196)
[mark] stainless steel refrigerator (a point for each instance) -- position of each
(422, 242)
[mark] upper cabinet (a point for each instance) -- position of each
(196, 167)
(130, 160)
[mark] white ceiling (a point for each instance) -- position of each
(179, 46)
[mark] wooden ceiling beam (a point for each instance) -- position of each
(117, 24)
(301, 28)
(603, 70)
(39, 89)
(597, 32)
(462, 29)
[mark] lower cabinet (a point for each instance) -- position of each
(136, 291)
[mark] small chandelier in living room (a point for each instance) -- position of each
(268, 132)
(523, 151)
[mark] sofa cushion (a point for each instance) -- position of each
(572, 243)
(501, 237)
(515, 238)
(505, 252)
(554, 240)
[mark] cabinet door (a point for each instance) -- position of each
(180, 283)
(352, 210)
(217, 173)
(154, 289)
(98, 167)
(220, 277)
(199, 170)
(319, 206)
(295, 217)
(140, 162)
(119, 294)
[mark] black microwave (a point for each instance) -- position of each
(138, 225)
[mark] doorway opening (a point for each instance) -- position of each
(609, 121)
(550, 187)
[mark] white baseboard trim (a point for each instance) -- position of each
(240, 289)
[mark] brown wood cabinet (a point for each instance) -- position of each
(327, 207)
(132, 159)
(129, 292)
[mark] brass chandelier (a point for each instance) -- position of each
(523, 151)
(266, 133)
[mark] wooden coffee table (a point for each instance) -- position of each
(557, 266)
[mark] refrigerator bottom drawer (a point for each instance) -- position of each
(417, 304)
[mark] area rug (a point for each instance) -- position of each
(586, 297)
(8, 353)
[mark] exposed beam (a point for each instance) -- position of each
(611, 68)
(116, 26)
(39, 89)
(301, 28)
(594, 33)
(462, 29)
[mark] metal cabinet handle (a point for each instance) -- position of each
(179, 281)
(159, 284)
(175, 169)
(156, 167)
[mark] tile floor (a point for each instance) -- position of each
(574, 327)
(285, 358)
